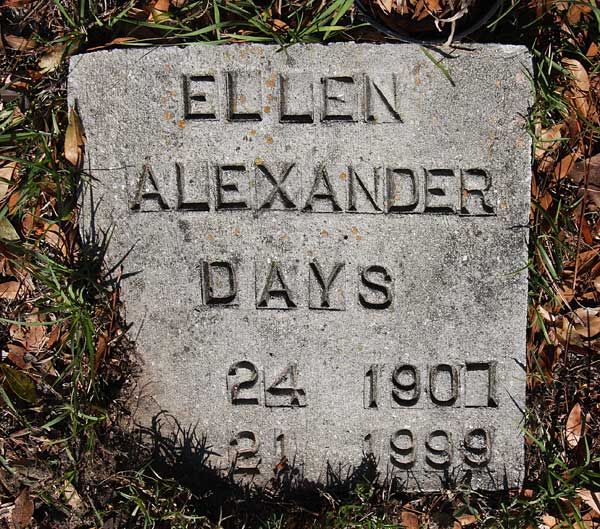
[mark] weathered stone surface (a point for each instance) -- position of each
(324, 249)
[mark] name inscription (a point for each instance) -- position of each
(291, 186)
(237, 95)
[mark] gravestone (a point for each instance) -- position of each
(323, 250)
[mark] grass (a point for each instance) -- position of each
(68, 457)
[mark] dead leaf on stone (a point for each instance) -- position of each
(74, 139)
(22, 511)
(574, 427)
(592, 499)
(10, 290)
(19, 43)
(52, 59)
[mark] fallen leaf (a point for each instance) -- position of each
(101, 347)
(20, 384)
(74, 139)
(527, 493)
(576, 11)
(589, 167)
(16, 354)
(13, 201)
(410, 520)
(279, 25)
(580, 79)
(72, 497)
(19, 43)
(16, 3)
(590, 520)
(10, 290)
(467, 519)
(54, 335)
(587, 322)
(160, 11)
(22, 512)
(549, 521)
(549, 139)
(7, 172)
(51, 60)
(35, 338)
(564, 166)
(574, 427)
(581, 85)
(7, 230)
(114, 42)
(592, 499)
(54, 237)
(385, 5)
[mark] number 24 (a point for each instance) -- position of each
(242, 379)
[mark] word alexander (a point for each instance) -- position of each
(291, 186)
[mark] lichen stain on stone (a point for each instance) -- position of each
(271, 81)
(343, 177)
(169, 115)
(269, 139)
(267, 109)
(417, 71)
(181, 123)
(324, 233)
(210, 237)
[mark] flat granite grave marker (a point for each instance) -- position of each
(324, 250)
